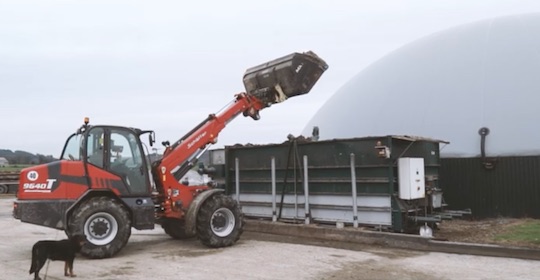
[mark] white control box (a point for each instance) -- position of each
(411, 178)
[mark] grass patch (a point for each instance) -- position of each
(14, 168)
(524, 233)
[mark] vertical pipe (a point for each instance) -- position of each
(306, 189)
(273, 163)
(295, 159)
(354, 196)
(237, 178)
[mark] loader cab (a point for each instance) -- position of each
(113, 157)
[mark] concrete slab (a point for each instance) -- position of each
(403, 241)
(153, 255)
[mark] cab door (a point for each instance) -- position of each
(116, 161)
(126, 158)
(117, 151)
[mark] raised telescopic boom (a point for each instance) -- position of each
(266, 84)
(94, 190)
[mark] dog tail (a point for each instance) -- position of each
(34, 260)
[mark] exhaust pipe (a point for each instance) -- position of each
(288, 76)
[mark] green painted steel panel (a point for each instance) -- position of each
(329, 164)
(329, 168)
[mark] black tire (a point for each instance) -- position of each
(220, 221)
(4, 188)
(106, 224)
(175, 228)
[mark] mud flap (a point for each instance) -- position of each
(142, 212)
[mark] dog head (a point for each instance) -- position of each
(79, 239)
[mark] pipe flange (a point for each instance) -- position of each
(483, 131)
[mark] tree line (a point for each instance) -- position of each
(23, 157)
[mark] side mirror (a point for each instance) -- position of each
(152, 138)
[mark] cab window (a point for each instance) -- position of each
(126, 160)
(95, 146)
(72, 149)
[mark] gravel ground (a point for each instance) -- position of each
(153, 255)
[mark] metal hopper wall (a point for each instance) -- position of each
(329, 181)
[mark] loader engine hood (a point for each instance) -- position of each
(288, 76)
(37, 180)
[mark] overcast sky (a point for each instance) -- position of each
(165, 65)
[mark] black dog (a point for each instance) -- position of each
(63, 250)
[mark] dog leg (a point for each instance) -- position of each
(34, 258)
(70, 266)
(36, 276)
(39, 264)
(66, 268)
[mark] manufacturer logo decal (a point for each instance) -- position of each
(190, 144)
(32, 175)
(298, 68)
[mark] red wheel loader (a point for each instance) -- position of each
(103, 185)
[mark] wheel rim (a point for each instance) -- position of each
(100, 228)
(4, 189)
(222, 222)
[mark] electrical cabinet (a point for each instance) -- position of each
(411, 178)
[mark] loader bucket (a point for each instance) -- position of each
(288, 76)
